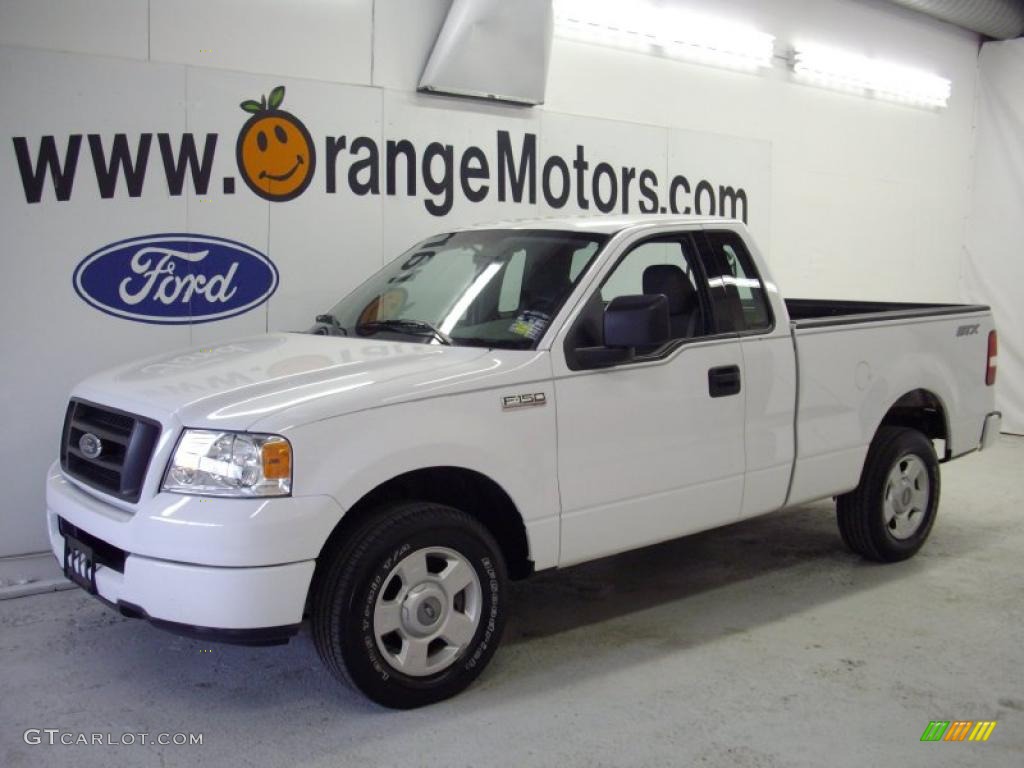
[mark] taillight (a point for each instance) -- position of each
(993, 349)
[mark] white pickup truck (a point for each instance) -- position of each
(496, 401)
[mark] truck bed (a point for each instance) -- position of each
(814, 313)
(856, 359)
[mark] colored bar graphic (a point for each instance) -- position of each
(958, 730)
(982, 730)
(935, 730)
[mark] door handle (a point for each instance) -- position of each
(724, 381)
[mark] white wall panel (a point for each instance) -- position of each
(212, 108)
(993, 265)
(612, 143)
(103, 27)
(49, 337)
(840, 163)
(726, 161)
(404, 32)
(424, 119)
(320, 39)
(325, 243)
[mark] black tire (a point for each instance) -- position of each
(354, 572)
(861, 512)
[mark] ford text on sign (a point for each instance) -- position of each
(175, 278)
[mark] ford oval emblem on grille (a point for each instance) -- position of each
(90, 445)
(175, 278)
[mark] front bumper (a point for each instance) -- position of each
(242, 605)
(219, 569)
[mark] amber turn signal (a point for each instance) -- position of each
(277, 459)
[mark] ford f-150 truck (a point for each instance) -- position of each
(496, 401)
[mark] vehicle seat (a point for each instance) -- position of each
(545, 283)
(683, 302)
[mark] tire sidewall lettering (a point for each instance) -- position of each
(488, 574)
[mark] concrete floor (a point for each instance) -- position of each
(761, 644)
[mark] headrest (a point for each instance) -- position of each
(670, 280)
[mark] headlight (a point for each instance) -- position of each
(209, 463)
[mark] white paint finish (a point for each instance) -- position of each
(769, 386)
(46, 331)
(238, 384)
(544, 536)
(820, 476)
(98, 27)
(637, 521)
(837, 419)
(317, 39)
(204, 596)
(438, 416)
(226, 533)
(645, 454)
(285, 383)
(620, 458)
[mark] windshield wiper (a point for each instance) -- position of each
(478, 341)
(331, 322)
(414, 327)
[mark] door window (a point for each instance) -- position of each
(737, 294)
(664, 266)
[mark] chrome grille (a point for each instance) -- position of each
(125, 446)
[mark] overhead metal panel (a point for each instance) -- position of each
(492, 49)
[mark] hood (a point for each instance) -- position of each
(236, 384)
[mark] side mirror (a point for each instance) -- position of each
(629, 322)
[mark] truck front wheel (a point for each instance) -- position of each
(410, 608)
(889, 515)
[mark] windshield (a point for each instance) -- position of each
(493, 287)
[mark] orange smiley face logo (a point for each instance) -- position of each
(274, 151)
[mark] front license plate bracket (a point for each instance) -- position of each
(80, 564)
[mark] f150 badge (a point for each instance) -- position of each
(508, 402)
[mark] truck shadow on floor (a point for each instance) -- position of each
(701, 588)
(768, 551)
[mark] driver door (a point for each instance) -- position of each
(651, 449)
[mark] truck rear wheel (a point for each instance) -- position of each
(889, 515)
(410, 608)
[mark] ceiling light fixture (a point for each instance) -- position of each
(646, 28)
(850, 72)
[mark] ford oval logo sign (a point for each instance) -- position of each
(175, 278)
